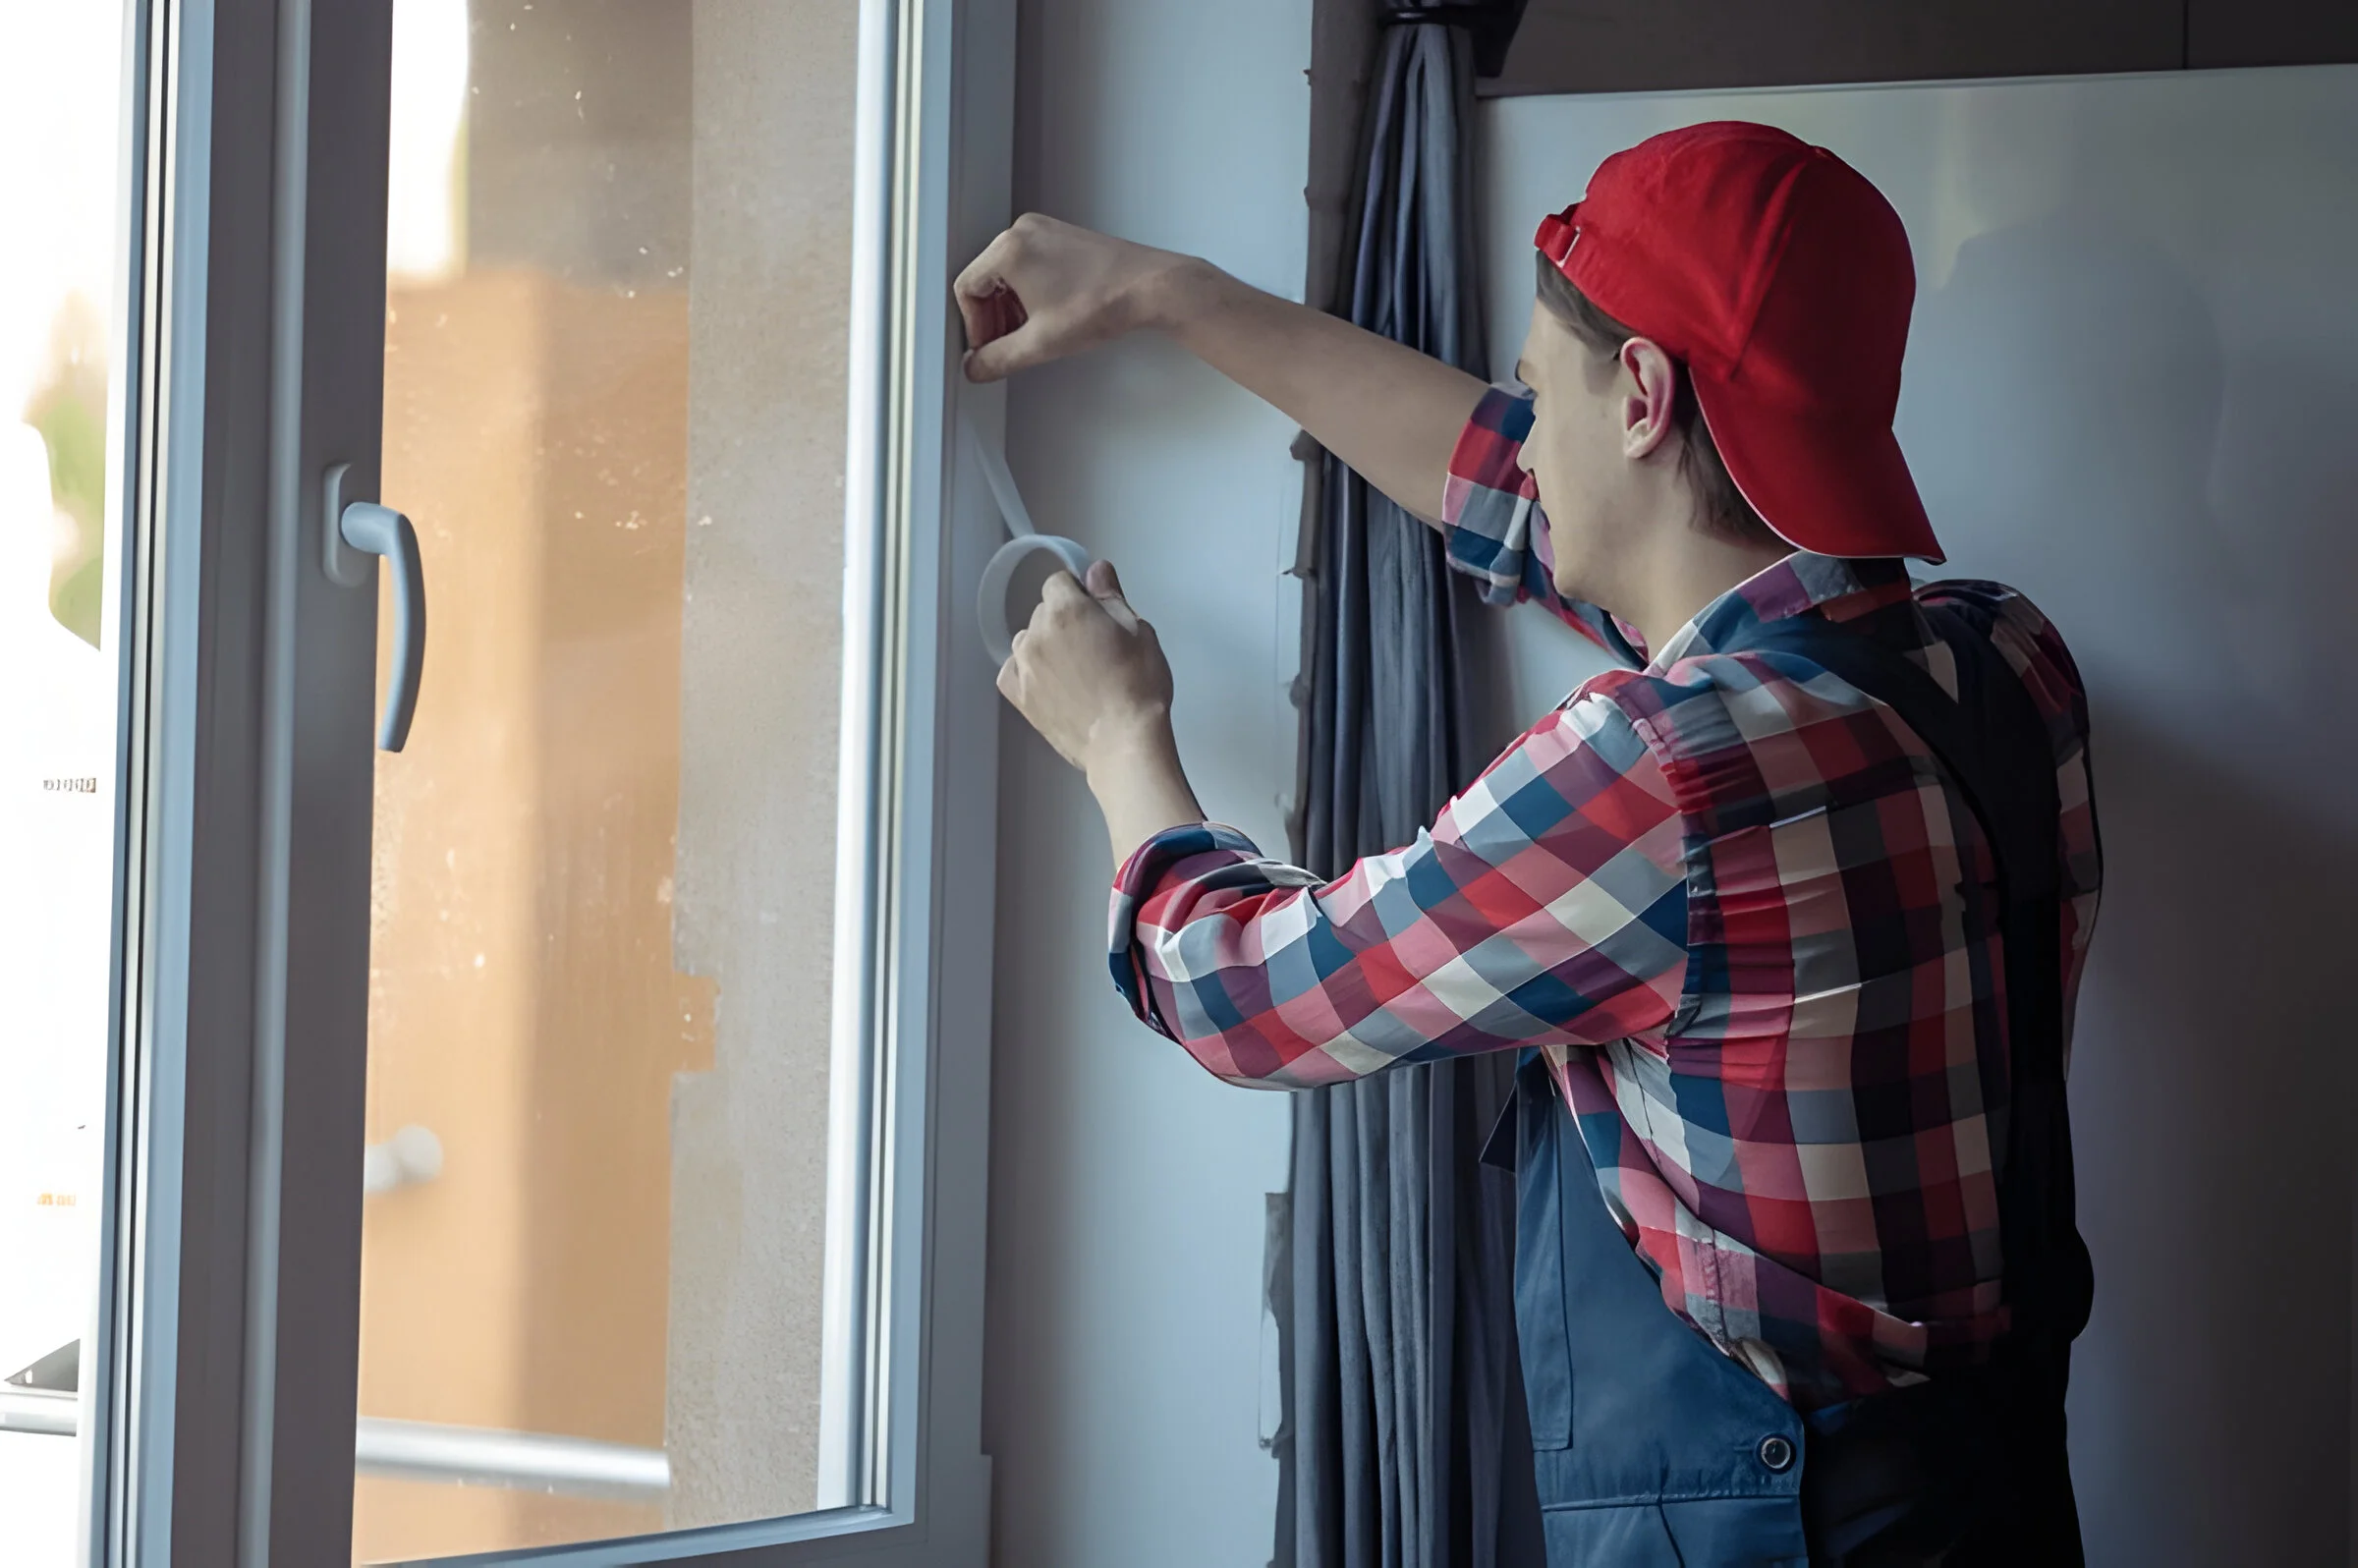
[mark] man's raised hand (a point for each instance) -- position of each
(1043, 290)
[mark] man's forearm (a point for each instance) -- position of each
(1140, 786)
(1390, 413)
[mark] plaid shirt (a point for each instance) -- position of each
(1738, 905)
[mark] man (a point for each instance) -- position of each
(1786, 914)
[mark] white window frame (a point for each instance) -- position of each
(223, 1398)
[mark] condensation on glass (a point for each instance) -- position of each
(603, 904)
(62, 210)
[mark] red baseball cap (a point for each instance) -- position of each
(1781, 278)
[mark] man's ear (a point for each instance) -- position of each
(1650, 392)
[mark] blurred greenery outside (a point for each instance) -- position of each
(69, 413)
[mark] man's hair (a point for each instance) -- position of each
(1720, 508)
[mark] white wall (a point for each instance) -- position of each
(2132, 391)
(1127, 1346)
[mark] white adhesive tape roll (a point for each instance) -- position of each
(991, 607)
(990, 598)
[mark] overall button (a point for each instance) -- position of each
(1776, 1453)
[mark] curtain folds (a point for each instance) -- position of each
(1401, 1442)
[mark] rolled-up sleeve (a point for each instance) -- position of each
(1547, 905)
(1497, 531)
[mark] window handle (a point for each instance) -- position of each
(364, 528)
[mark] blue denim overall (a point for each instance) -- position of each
(1651, 1446)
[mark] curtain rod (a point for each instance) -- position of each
(1492, 23)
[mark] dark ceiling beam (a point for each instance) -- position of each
(1678, 45)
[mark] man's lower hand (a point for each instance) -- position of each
(1091, 677)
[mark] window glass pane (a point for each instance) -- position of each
(604, 911)
(61, 207)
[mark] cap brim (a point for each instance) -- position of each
(1831, 488)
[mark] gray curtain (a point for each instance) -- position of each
(1401, 1442)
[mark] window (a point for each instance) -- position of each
(595, 1264)
(556, 1132)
